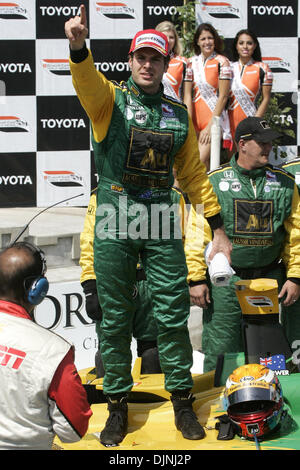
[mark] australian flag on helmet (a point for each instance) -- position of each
(276, 362)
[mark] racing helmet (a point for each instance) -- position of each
(253, 400)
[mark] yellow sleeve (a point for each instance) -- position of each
(182, 211)
(291, 249)
(86, 260)
(96, 95)
(198, 235)
(192, 176)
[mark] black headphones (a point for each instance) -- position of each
(36, 287)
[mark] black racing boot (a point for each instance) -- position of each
(185, 417)
(117, 421)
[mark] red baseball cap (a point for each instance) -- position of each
(150, 38)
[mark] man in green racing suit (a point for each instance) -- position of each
(261, 213)
(144, 328)
(138, 135)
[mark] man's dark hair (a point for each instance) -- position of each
(16, 267)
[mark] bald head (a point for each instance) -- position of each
(17, 263)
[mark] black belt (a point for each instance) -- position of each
(145, 181)
(255, 273)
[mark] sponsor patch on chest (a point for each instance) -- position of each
(149, 151)
(253, 217)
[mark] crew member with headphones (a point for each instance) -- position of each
(37, 369)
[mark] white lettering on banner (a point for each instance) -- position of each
(15, 179)
(13, 68)
(66, 123)
(161, 10)
(112, 66)
(272, 10)
(283, 118)
(65, 11)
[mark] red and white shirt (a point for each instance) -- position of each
(41, 391)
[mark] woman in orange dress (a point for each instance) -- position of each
(207, 85)
(173, 78)
(251, 78)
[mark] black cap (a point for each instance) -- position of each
(255, 128)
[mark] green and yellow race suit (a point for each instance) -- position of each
(261, 214)
(137, 140)
(144, 327)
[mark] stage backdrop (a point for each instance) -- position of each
(45, 152)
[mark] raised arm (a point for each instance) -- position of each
(95, 92)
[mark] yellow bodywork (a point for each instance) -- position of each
(151, 425)
(152, 384)
(258, 296)
(151, 422)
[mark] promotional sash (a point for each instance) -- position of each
(207, 92)
(209, 95)
(240, 93)
(168, 89)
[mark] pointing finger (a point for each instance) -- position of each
(83, 20)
